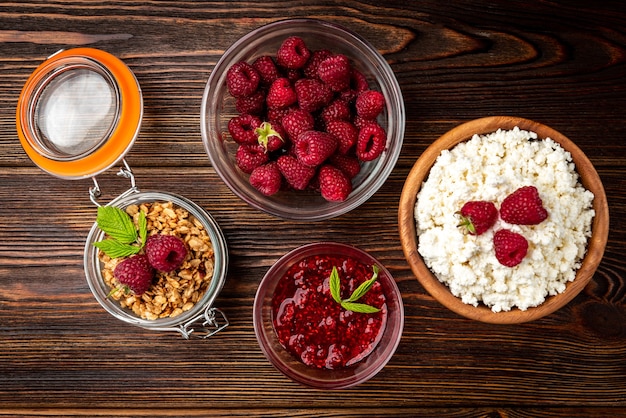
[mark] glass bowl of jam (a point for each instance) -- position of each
(328, 315)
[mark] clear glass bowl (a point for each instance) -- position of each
(325, 378)
(218, 107)
(203, 319)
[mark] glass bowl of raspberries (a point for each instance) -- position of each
(354, 303)
(303, 119)
(158, 261)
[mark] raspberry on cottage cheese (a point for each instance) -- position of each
(490, 167)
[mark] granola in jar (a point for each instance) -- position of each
(175, 292)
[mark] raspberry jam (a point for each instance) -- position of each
(312, 326)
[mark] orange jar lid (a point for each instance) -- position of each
(79, 113)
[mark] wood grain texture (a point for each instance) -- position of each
(561, 63)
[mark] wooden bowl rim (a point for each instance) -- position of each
(588, 177)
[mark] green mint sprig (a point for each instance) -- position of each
(351, 303)
(124, 239)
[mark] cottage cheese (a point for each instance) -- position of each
(490, 167)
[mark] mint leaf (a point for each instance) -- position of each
(143, 227)
(364, 287)
(117, 224)
(350, 303)
(335, 286)
(358, 307)
(120, 228)
(116, 249)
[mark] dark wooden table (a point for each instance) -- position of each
(562, 63)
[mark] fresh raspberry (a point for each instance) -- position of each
(335, 72)
(295, 173)
(314, 183)
(360, 123)
(271, 136)
(242, 79)
(371, 142)
(299, 90)
(243, 128)
(317, 56)
(293, 53)
(135, 272)
(267, 178)
(345, 133)
(348, 164)
(249, 157)
(276, 114)
(478, 216)
(335, 186)
(358, 84)
(297, 121)
(369, 104)
(281, 143)
(312, 94)
(267, 69)
(349, 96)
(293, 75)
(510, 247)
(253, 104)
(165, 252)
(336, 110)
(281, 94)
(358, 81)
(314, 147)
(275, 143)
(523, 207)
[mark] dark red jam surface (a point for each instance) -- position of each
(315, 328)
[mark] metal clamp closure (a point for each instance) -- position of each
(126, 172)
(205, 325)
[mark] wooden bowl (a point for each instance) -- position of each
(407, 226)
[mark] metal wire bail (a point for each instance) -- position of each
(206, 325)
(126, 172)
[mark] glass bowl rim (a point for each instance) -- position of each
(394, 327)
(381, 168)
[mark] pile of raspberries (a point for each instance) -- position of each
(306, 120)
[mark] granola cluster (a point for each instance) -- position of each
(176, 292)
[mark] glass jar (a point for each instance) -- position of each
(203, 320)
(78, 114)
